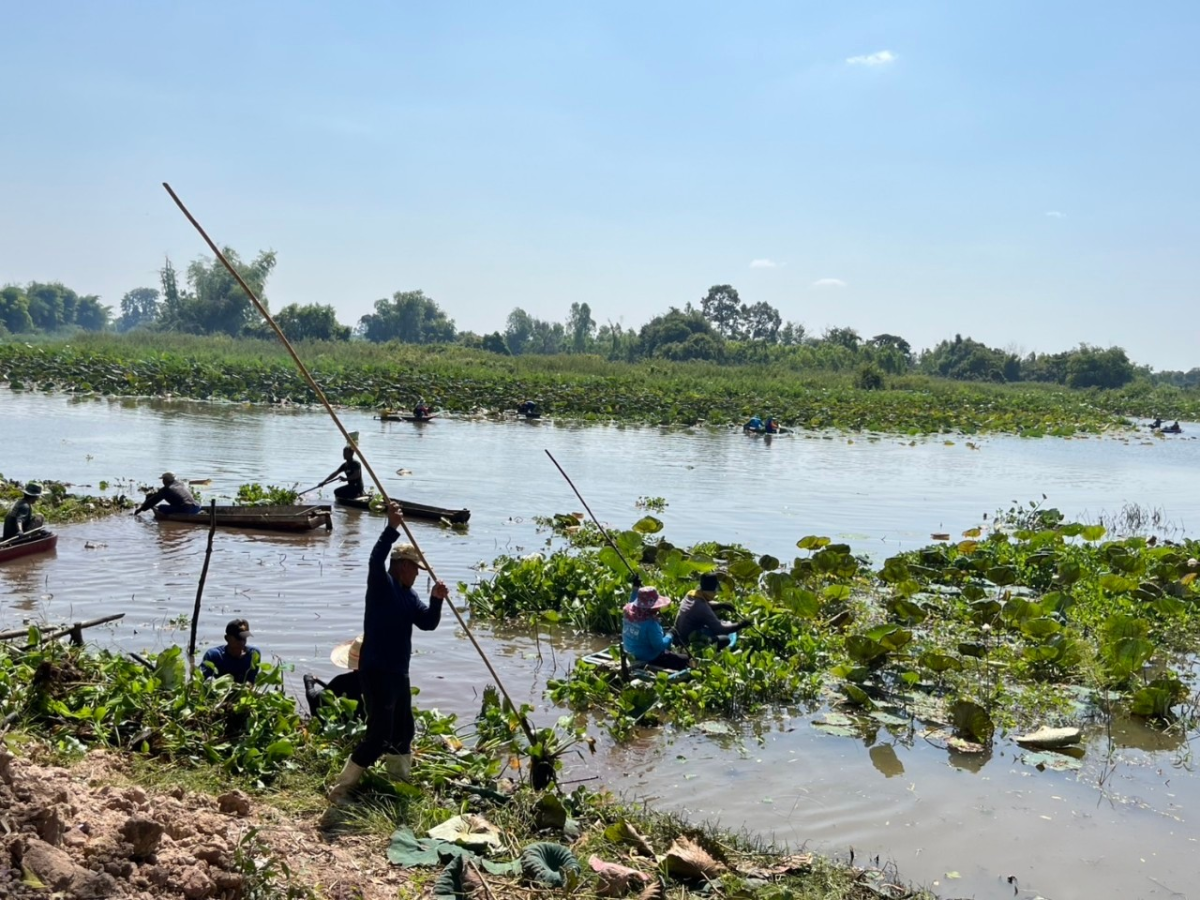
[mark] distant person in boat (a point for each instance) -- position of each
(1173, 428)
(174, 496)
(772, 426)
(422, 410)
(350, 471)
(642, 633)
(236, 659)
(21, 518)
(392, 609)
(1157, 423)
(698, 617)
(755, 424)
(528, 409)
(347, 684)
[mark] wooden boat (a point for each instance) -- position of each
(265, 518)
(28, 547)
(413, 510)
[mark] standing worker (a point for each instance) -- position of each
(392, 609)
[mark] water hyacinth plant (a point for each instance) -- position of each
(1031, 619)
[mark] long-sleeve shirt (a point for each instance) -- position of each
(219, 661)
(19, 518)
(391, 612)
(175, 495)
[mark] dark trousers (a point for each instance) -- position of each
(349, 491)
(390, 724)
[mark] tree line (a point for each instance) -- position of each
(721, 329)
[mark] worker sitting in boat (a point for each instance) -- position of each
(1156, 424)
(755, 424)
(772, 426)
(698, 619)
(422, 410)
(1173, 428)
(236, 659)
(642, 633)
(350, 471)
(21, 518)
(174, 496)
(346, 685)
(528, 409)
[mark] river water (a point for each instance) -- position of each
(1122, 827)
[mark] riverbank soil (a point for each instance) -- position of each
(81, 833)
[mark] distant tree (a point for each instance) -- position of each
(494, 343)
(139, 308)
(891, 342)
(14, 310)
(1093, 367)
(312, 322)
(842, 337)
(791, 334)
(51, 306)
(519, 330)
(723, 308)
(665, 336)
(410, 317)
(91, 314)
(697, 346)
(580, 327)
(215, 303)
(761, 322)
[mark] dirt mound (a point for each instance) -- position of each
(73, 832)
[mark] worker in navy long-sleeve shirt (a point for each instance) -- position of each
(392, 609)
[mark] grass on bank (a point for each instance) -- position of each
(211, 736)
(581, 387)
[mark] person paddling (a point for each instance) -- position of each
(350, 471)
(21, 518)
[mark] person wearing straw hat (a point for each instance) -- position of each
(21, 518)
(174, 496)
(350, 471)
(392, 609)
(348, 685)
(642, 633)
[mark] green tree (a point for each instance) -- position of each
(14, 310)
(91, 314)
(518, 330)
(51, 306)
(311, 322)
(667, 334)
(891, 342)
(139, 308)
(1093, 367)
(581, 327)
(761, 322)
(842, 337)
(791, 334)
(409, 317)
(723, 308)
(215, 303)
(494, 343)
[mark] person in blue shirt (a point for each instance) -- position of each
(755, 424)
(237, 658)
(772, 426)
(392, 609)
(642, 633)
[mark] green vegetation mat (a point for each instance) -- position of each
(1036, 621)
(579, 387)
(58, 506)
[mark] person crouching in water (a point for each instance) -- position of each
(642, 633)
(392, 609)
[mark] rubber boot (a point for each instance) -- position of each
(398, 766)
(345, 782)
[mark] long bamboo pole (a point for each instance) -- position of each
(258, 304)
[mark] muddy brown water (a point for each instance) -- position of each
(1122, 827)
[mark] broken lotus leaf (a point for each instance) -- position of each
(471, 831)
(688, 860)
(624, 832)
(614, 879)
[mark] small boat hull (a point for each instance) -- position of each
(28, 548)
(413, 510)
(261, 518)
(396, 417)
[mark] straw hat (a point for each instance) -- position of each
(345, 654)
(648, 599)
(407, 552)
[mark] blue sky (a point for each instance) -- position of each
(1014, 171)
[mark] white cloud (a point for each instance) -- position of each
(882, 58)
(829, 283)
(763, 264)
(1055, 214)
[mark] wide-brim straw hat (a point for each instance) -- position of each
(345, 655)
(648, 598)
(407, 552)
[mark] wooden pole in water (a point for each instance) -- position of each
(212, 528)
(316, 389)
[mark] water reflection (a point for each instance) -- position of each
(884, 759)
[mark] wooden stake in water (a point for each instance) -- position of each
(212, 528)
